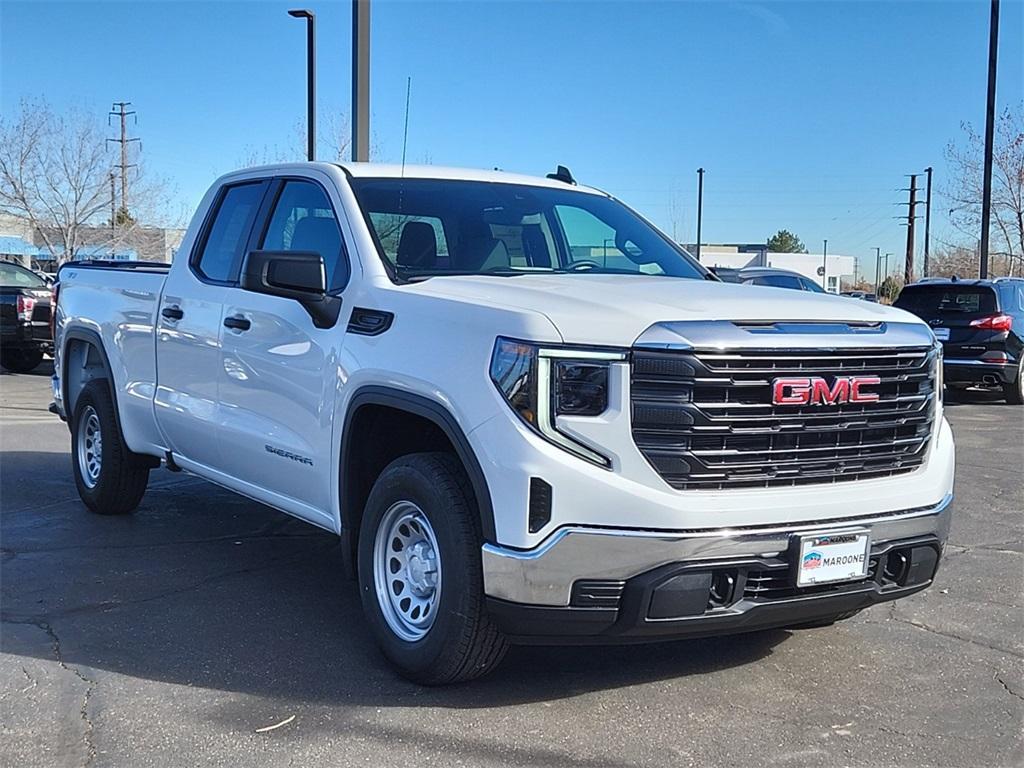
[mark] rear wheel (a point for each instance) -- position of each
(110, 478)
(21, 359)
(1014, 392)
(420, 576)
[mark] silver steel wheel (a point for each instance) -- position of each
(89, 446)
(407, 571)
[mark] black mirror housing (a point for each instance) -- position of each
(290, 274)
(298, 275)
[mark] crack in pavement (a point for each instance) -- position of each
(31, 684)
(1006, 687)
(924, 627)
(87, 737)
(961, 550)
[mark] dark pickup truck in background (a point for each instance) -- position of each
(25, 334)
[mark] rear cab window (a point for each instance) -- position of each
(220, 256)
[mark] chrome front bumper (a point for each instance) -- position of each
(544, 576)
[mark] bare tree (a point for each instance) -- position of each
(332, 144)
(676, 215)
(55, 173)
(964, 190)
(954, 261)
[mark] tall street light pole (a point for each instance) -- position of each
(990, 122)
(824, 265)
(360, 81)
(310, 18)
(878, 268)
(700, 206)
(927, 220)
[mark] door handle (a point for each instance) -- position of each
(237, 323)
(172, 313)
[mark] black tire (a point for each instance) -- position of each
(461, 643)
(1014, 393)
(21, 359)
(117, 486)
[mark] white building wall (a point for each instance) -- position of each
(807, 264)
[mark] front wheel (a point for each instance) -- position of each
(110, 478)
(420, 576)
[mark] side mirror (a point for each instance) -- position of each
(298, 275)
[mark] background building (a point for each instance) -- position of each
(739, 255)
(26, 245)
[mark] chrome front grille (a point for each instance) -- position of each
(705, 420)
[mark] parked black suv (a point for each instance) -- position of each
(24, 318)
(981, 326)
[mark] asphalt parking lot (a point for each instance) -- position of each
(169, 637)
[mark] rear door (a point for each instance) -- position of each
(950, 309)
(280, 373)
(189, 326)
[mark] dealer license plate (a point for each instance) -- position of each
(942, 334)
(830, 557)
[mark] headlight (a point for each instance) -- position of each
(542, 383)
(939, 373)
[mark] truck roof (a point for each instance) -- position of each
(384, 170)
(390, 171)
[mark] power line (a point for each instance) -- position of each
(911, 217)
(120, 110)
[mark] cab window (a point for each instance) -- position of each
(303, 220)
(222, 250)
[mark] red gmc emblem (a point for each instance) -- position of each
(814, 390)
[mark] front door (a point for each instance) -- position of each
(280, 373)
(189, 327)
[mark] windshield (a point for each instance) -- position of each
(937, 300)
(428, 227)
(13, 276)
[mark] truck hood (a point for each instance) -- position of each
(615, 309)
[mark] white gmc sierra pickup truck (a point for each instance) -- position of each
(530, 416)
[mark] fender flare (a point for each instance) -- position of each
(93, 339)
(433, 411)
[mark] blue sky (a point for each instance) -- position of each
(806, 115)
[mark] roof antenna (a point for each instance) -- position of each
(562, 174)
(405, 135)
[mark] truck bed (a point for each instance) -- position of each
(118, 302)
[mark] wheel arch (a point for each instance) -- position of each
(83, 359)
(435, 421)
